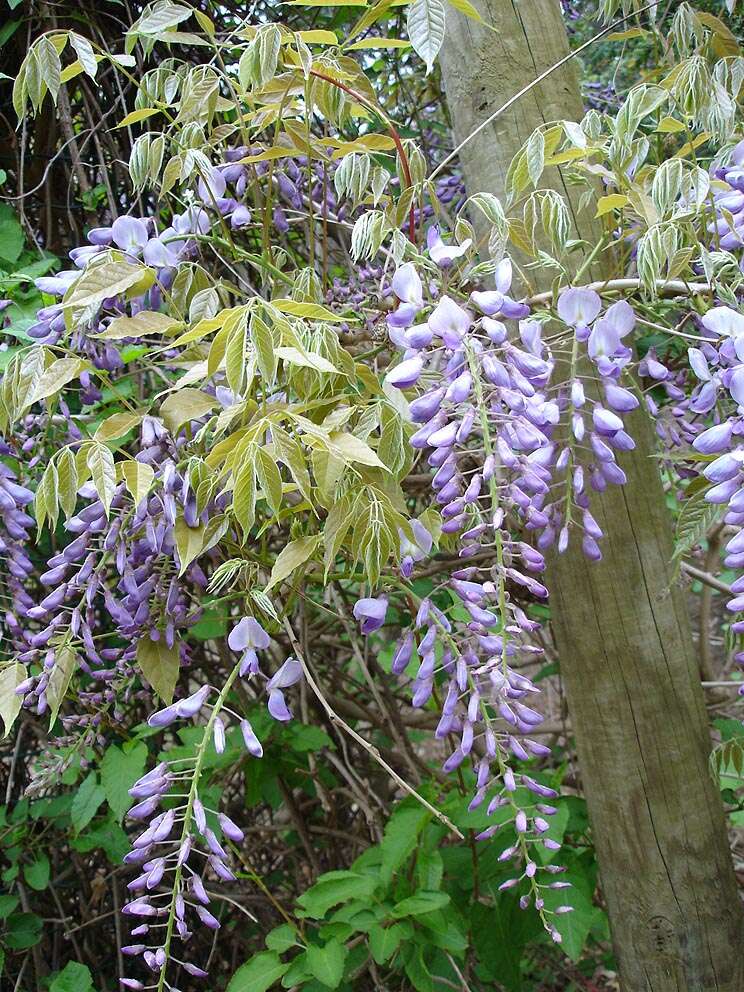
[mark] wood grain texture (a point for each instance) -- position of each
(483, 67)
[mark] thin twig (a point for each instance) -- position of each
(369, 748)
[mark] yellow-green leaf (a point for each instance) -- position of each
(295, 554)
(626, 35)
(137, 477)
(670, 125)
(145, 322)
(104, 281)
(138, 115)
(59, 373)
(270, 479)
(65, 663)
(366, 43)
(117, 425)
(308, 359)
(159, 664)
(183, 406)
(10, 703)
(353, 449)
(318, 37)
(313, 311)
(103, 472)
(465, 7)
(614, 201)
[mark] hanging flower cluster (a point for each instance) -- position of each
(510, 451)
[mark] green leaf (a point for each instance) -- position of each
(7, 905)
(327, 963)
(696, 517)
(258, 974)
(22, 930)
(536, 156)
(85, 805)
(137, 478)
(194, 541)
(84, 51)
(401, 837)
(10, 702)
(353, 449)
(74, 977)
(295, 554)
(49, 64)
(11, 234)
(417, 971)
(289, 451)
(281, 938)
(67, 481)
(144, 322)
(425, 24)
(104, 281)
(183, 406)
(160, 17)
(117, 425)
(65, 663)
(306, 359)
(313, 311)
(421, 902)
(103, 471)
(37, 873)
(59, 373)
(574, 927)
(334, 887)
(270, 479)
(109, 836)
(384, 941)
(120, 769)
(160, 665)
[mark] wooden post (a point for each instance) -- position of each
(621, 625)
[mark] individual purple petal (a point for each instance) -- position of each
(289, 674)
(252, 743)
(130, 234)
(406, 374)
(230, 829)
(736, 385)
(579, 307)
(714, 439)
(450, 322)
(724, 321)
(248, 633)
(406, 285)
(441, 254)
(164, 717)
(207, 919)
(620, 398)
(192, 704)
(278, 706)
(698, 364)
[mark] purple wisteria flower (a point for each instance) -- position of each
(371, 613)
(407, 286)
(440, 253)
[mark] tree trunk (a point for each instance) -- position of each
(482, 69)
(621, 626)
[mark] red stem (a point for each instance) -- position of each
(393, 134)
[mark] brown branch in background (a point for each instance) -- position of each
(369, 748)
(404, 164)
